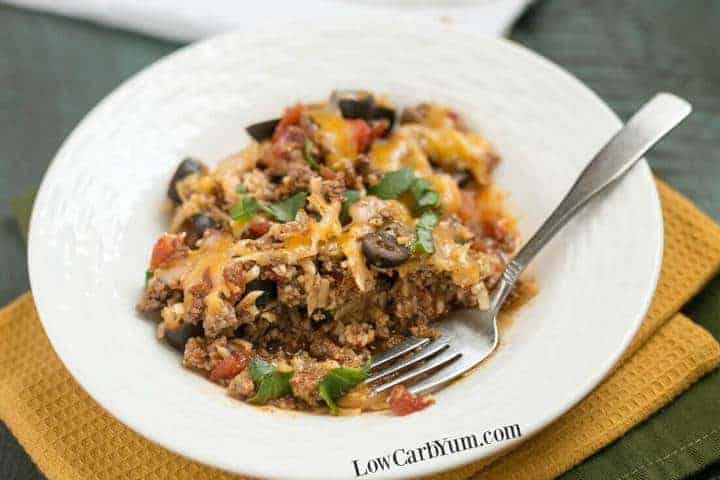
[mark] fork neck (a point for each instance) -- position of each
(505, 284)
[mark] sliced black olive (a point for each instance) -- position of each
(322, 316)
(462, 177)
(387, 113)
(361, 107)
(187, 167)
(263, 130)
(360, 104)
(268, 288)
(198, 224)
(178, 338)
(382, 249)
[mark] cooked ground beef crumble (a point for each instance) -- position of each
(333, 236)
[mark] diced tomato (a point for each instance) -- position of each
(327, 173)
(257, 229)
(456, 121)
(379, 128)
(290, 117)
(290, 138)
(360, 133)
(495, 229)
(164, 249)
(229, 366)
(470, 207)
(402, 402)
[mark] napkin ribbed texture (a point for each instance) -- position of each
(70, 437)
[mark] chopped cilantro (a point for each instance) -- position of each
(424, 195)
(274, 385)
(270, 382)
(245, 208)
(428, 199)
(148, 276)
(240, 188)
(419, 186)
(337, 382)
(400, 181)
(424, 233)
(309, 157)
(349, 197)
(393, 183)
(259, 368)
(285, 210)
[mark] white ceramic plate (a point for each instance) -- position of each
(100, 209)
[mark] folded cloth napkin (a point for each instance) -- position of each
(70, 437)
(186, 20)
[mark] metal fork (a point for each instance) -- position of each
(470, 336)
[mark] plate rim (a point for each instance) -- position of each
(44, 310)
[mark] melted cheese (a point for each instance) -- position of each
(452, 149)
(455, 258)
(411, 145)
(403, 150)
(335, 136)
(438, 116)
(361, 212)
(206, 262)
(305, 243)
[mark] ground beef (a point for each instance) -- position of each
(156, 295)
(307, 374)
(242, 386)
(291, 291)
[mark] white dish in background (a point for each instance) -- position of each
(98, 213)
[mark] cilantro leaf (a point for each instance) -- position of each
(400, 181)
(337, 382)
(419, 187)
(259, 368)
(424, 233)
(393, 183)
(240, 188)
(148, 276)
(349, 197)
(424, 195)
(428, 199)
(271, 386)
(245, 208)
(270, 382)
(285, 210)
(428, 220)
(308, 154)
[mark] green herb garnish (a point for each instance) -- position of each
(259, 368)
(245, 208)
(393, 184)
(309, 157)
(285, 210)
(270, 382)
(337, 382)
(148, 276)
(240, 188)
(400, 181)
(349, 197)
(424, 233)
(423, 194)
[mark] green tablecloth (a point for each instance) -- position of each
(53, 70)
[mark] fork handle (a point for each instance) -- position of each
(649, 124)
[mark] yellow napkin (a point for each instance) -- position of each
(70, 437)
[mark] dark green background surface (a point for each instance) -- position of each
(53, 70)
